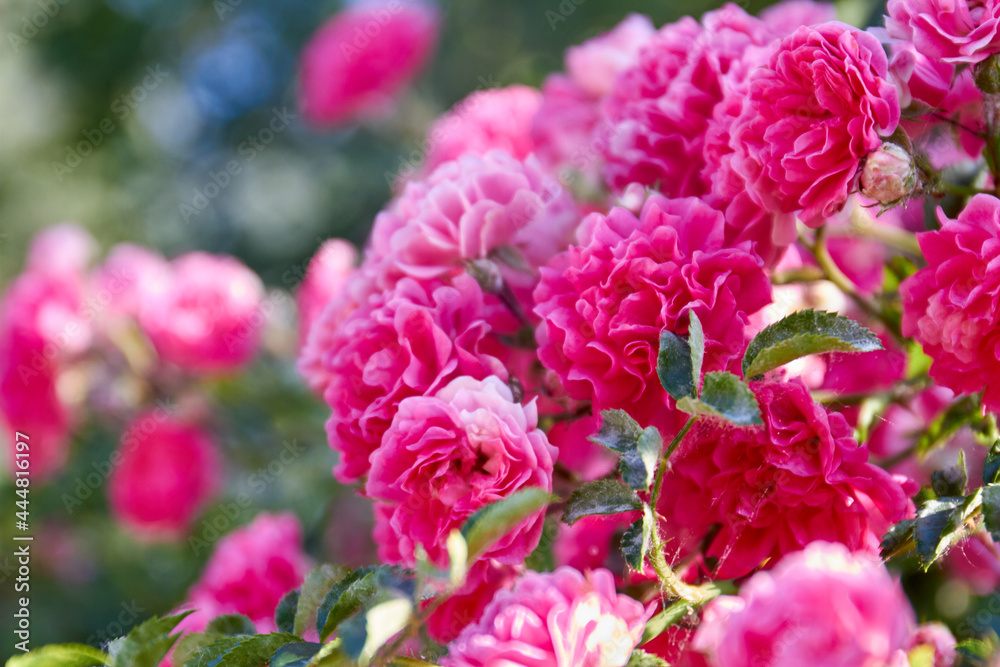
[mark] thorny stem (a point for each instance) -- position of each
(661, 469)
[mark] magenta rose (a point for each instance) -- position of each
(328, 272)
(811, 116)
(556, 618)
(486, 120)
(449, 454)
(605, 301)
(774, 488)
(206, 318)
(823, 607)
(164, 472)
(950, 306)
(361, 60)
(410, 341)
(952, 31)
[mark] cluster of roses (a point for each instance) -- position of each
(125, 341)
(518, 284)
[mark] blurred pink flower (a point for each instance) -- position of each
(562, 618)
(950, 307)
(363, 57)
(128, 275)
(484, 579)
(328, 272)
(447, 455)
(952, 31)
(65, 249)
(206, 318)
(774, 488)
(594, 64)
(163, 474)
(822, 607)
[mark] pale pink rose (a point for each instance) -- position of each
(952, 31)
(605, 301)
(360, 61)
(594, 64)
(410, 341)
(128, 274)
(44, 325)
(207, 317)
(484, 579)
(486, 120)
(64, 249)
(249, 572)
(823, 607)
(774, 488)
(449, 454)
(328, 272)
(811, 116)
(784, 18)
(562, 619)
(163, 474)
(950, 307)
(938, 637)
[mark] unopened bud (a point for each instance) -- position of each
(889, 174)
(487, 274)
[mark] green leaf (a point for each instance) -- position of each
(640, 658)
(314, 589)
(951, 482)
(148, 643)
(296, 654)
(638, 466)
(940, 524)
(636, 538)
(696, 341)
(346, 598)
(382, 623)
(458, 558)
(725, 396)
(667, 618)
(674, 366)
(960, 413)
(803, 333)
(230, 625)
(619, 432)
(189, 645)
(61, 655)
(241, 651)
(991, 468)
(605, 496)
(991, 510)
(489, 524)
(898, 540)
(284, 615)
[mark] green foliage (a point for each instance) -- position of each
(489, 524)
(640, 658)
(803, 333)
(313, 591)
(296, 654)
(605, 496)
(674, 366)
(636, 539)
(241, 650)
(61, 655)
(284, 615)
(951, 482)
(991, 467)
(230, 625)
(725, 396)
(639, 449)
(347, 597)
(991, 510)
(148, 643)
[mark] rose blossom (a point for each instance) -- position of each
(494, 119)
(950, 306)
(823, 607)
(165, 472)
(361, 59)
(64, 249)
(205, 318)
(952, 31)
(249, 572)
(605, 301)
(774, 488)
(594, 64)
(328, 272)
(466, 605)
(410, 341)
(562, 618)
(128, 275)
(447, 455)
(811, 116)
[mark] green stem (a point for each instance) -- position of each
(863, 223)
(670, 584)
(661, 470)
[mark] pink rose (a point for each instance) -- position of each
(64, 249)
(558, 618)
(206, 317)
(494, 119)
(919, 79)
(577, 453)
(328, 272)
(811, 116)
(447, 455)
(360, 60)
(952, 31)
(605, 301)
(950, 307)
(485, 578)
(784, 18)
(127, 276)
(590, 541)
(165, 471)
(410, 341)
(823, 607)
(594, 64)
(774, 488)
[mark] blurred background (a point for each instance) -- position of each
(116, 114)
